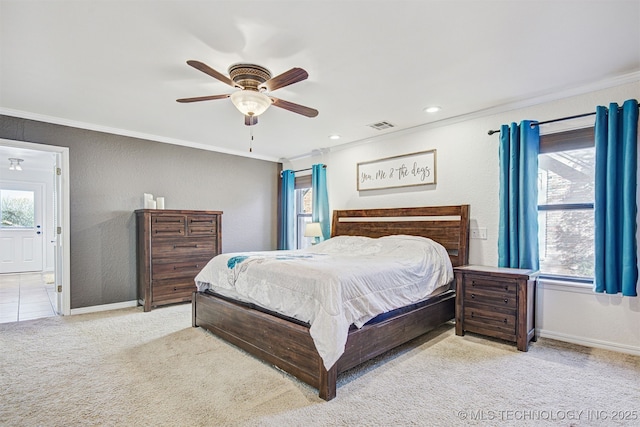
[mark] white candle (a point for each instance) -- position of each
(148, 198)
(160, 203)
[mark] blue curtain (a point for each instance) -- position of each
(616, 138)
(286, 239)
(320, 199)
(518, 231)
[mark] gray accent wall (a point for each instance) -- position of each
(108, 176)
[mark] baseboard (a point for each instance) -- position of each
(104, 307)
(587, 342)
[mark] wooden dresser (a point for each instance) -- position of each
(497, 302)
(172, 247)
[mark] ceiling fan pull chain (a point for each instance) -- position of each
(251, 139)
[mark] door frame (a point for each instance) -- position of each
(64, 248)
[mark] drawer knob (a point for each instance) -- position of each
(505, 321)
(506, 287)
(175, 289)
(506, 301)
(473, 296)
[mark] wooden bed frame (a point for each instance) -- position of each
(288, 345)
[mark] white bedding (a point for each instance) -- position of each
(342, 281)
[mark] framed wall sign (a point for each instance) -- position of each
(399, 171)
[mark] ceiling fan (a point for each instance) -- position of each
(253, 80)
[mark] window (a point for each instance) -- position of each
(16, 209)
(303, 210)
(566, 183)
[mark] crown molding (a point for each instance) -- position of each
(132, 134)
(547, 97)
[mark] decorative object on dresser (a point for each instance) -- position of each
(497, 302)
(172, 247)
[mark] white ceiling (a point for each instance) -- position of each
(119, 66)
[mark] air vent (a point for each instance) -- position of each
(381, 125)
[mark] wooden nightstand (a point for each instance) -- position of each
(497, 302)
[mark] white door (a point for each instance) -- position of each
(21, 228)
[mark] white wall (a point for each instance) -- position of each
(467, 173)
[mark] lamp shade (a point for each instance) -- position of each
(250, 102)
(312, 229)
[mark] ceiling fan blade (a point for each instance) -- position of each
(203, 98)
(211, 72)
(287, 78)
(296, 108)
(250, 120)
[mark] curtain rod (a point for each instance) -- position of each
(491, 132)
(302, 170)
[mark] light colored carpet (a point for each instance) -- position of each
(126, 367)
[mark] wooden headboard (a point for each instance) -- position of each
(447, 225)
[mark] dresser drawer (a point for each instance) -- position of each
(167, 226)
(181, 248)
(176, 269)
(172, 290)
(201, 225)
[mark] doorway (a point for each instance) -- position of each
(21, 229)
(52, 227)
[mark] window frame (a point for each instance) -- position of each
(566, 141)
(301, 183)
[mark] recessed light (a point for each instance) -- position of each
(334, 136)
(433, 109)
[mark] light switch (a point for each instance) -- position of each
(479, 233)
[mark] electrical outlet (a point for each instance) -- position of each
(479, 233)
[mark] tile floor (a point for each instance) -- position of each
(25, 296)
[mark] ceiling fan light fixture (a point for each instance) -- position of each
(250, 102)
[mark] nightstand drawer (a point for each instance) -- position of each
(481, 296)
(490, 322)
(491, 285)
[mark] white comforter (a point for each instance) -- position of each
(342, 281)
